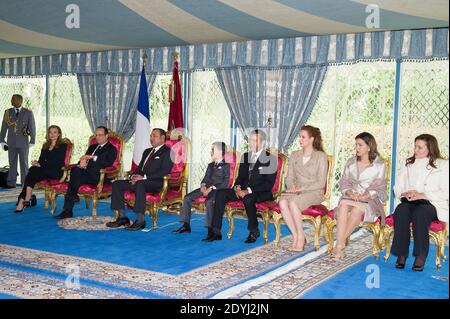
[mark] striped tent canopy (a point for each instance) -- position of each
(35, 38)
(38, 27)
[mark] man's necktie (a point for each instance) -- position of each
(148, 158)
(17, 112)
(99, 147)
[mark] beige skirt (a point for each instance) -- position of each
(369, 215)
(304, 200)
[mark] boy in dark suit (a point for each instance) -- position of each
(156, 163)
(256, 177)
(216, 177)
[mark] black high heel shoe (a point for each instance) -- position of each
(25, 205)
(401, 261)
(419, 264)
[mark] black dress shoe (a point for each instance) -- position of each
(400, 264)
(185, 228)
(124, 221)
(213, 237)
(210, 234)
(252, 237)
(136, 226)
(64, 214)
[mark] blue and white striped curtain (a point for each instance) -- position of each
(424, 44)
(111, 100)
(286, 96)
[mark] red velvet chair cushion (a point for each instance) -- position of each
(315, 210)
(236, 204)
(49, 182)
(437, 226)
(85, 188)
(267, 205)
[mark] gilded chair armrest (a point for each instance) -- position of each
(65, 175)
(67, 169)
(113, 173)
(128, 174)
(165, 188)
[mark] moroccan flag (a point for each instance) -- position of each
(176, 110)
(142, 134)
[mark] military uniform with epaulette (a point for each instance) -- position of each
(18, 126)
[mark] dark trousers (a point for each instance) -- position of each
(35, 175)
(224, 196)
(78, 176)
(140, 189)
(421, 216)
(185, 214)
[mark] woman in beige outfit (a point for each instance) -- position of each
(305, 181)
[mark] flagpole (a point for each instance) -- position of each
(144, 60)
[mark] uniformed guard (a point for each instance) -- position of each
(19, 123)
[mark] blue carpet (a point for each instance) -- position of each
(393, 284)
(158, 250)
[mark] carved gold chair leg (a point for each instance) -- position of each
(53, 201)
(266, 220)
(442, 239)
(435, 237)
(154, 211)
(317, 227)
(86, 200)
(277, 224)
(116, 215)
(46, 196)
(94, 206)
(324, 232)
(330, 224)
(375, 229)
(387, 237)
(230, 217)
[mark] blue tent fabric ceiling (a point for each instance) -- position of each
(37, 27)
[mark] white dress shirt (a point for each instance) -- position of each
(433, 182)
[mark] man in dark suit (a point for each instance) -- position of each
(156, 163)
(257, 174)
(99, 155)
(216, 177)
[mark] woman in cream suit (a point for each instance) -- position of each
(306, 179)
(363, 187)
(422, 187)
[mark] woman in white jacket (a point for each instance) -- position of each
(422, 186)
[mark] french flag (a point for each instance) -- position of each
(142, 134)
